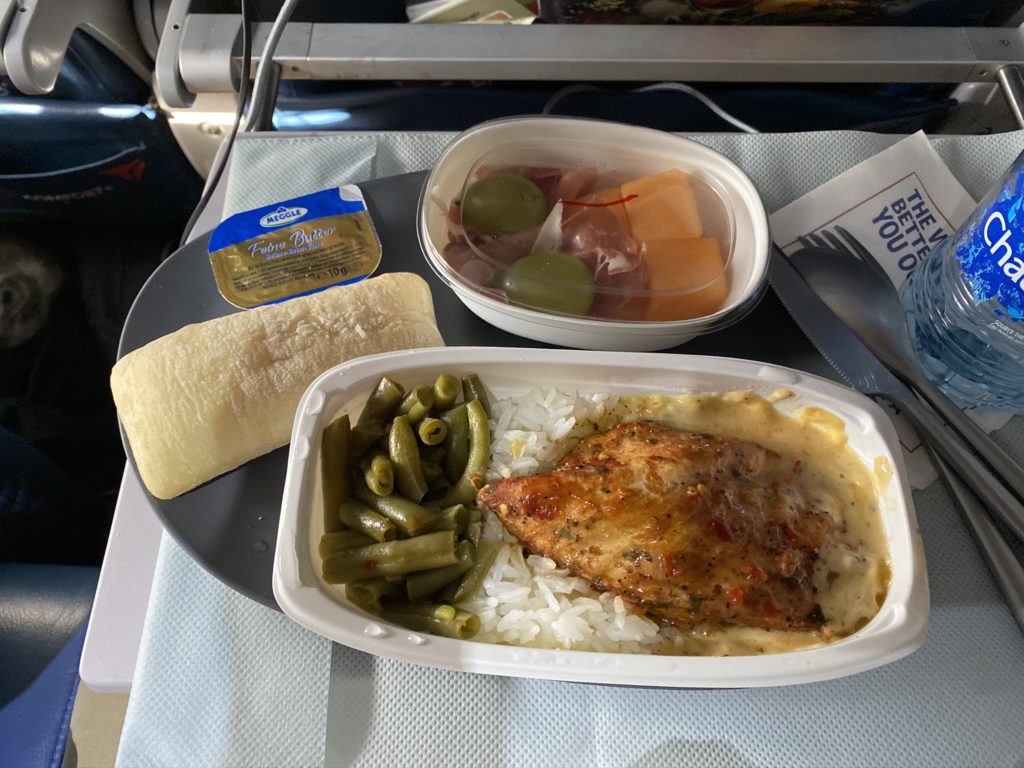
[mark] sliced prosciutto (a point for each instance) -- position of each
(590, 231)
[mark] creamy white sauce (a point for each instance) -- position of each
(852, 574)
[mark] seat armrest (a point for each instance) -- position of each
(34, 726)
(41, 609)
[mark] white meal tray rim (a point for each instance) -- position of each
(896, 631)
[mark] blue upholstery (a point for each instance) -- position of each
(41, 608)
(34, 727)
(43, 612)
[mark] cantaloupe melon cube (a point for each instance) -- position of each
(610, 195)
(677, 265)
(664, 208)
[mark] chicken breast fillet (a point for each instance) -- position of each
(695, 528)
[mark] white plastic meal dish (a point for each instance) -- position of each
(836, 585)
(593, 234)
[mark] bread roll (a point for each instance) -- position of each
(211, 396)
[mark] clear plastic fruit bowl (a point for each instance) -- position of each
(594, 234)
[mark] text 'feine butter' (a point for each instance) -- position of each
(294, 247)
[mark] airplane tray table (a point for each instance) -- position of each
(230, 524)
(222, 680)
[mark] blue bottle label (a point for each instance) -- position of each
(991, 252)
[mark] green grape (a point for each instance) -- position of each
(503, 204)
(551, 280)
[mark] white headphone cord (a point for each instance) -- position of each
(705, 100)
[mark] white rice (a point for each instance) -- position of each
(529, 601)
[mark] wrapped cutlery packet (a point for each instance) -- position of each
(899, 205)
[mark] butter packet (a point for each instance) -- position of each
(294, 247)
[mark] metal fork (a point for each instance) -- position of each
(846, 243)
(883, 328)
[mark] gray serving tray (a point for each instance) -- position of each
(229, 525)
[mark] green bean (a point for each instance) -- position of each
(474, 531)
(422, 584)
(411, 518)
(433, 473)
(367, 594)
(417, 404)
(475, 525)
(472, 479)
(434, 453)
(390, 558)
(456, 444)
(378, 473)
(339, 540)
(486, 551)
(405, 459)
(453, 518)
(437, 482)
(383, 402)
(432, 431)
(473, 389)
(360, 518)
(447, 389)
(365, 435)
(445, 594)
(380, 406)
(437, 620)
(335, 456)
(433, 498)
(423, 610)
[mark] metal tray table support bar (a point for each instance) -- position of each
(598, 52)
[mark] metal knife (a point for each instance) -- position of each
(1006, 568)
(855, 363)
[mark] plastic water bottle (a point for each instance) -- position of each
(965, 303)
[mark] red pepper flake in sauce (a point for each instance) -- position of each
(797, 467)
(369, 565)
(751, 570)
(769, 609)
(721, 530)
(672, 567)
(735, 596)
(791, 535)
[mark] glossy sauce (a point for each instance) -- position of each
(852, 574)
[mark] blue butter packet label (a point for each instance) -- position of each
(294, 247)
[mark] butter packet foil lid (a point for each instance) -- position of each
(294, 247)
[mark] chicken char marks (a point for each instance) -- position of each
(695, 528)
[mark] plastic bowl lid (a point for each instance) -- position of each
(575, 229)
